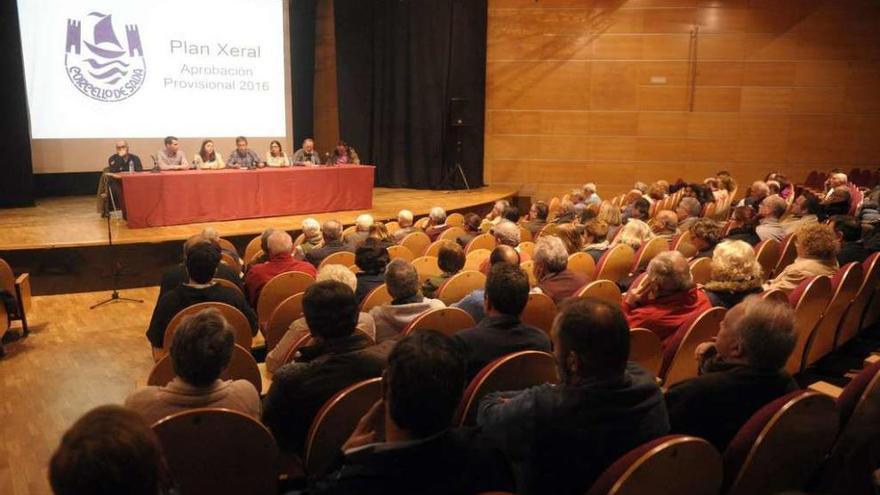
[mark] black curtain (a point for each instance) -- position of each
(16, 186)
(405, 68)
(303, 15)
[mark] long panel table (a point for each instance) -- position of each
(192, 196)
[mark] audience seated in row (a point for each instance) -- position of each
(805, 210)
(331, 231)
(740, 372)
(436, 223)
(371, 258)
(406, 304)
(743, 224)
(200, 351)
(506, 233)
(176, 276)
(559, 438)
(471, 227)
(450, 260)
(405, 221)
(848, 231)
(201, 265)
(474, 303)
(337, 358)
(300, 327)
(665, 224)
(362, 230)
(817, 250)
(706, 235)
(537, 218)
(495, 215)
(501, 331)
(551, 270)
(312, 238)
(280, 260)
(666, 297)
(596, 238)
(688, 211)
(770, 211)
(736, 274)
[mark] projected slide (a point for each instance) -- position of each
(150, 68)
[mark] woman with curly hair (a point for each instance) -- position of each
(570, 237)
(634, 234)
(817, 249)
(736, 274)
(706, 235)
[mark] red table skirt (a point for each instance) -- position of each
(192, 196)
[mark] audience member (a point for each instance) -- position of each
(595, 238)
(213, 236)
(560, 438)
(471, 227)
(379, 232)
(331, 231)
(706, 235)
(634, 234)
(610, 214)
(200, 352)
(176, 276)
(688, 212)
(837, 199)
(719, 193)
(406, 303)
(665, 224)
(436, 223)
(656, 193)
(474, 303)
(591, 197)
(450, 259)
(404, 444)
(109, 450)
(275, 357)
(804, 210)
(755, 195)
(566, 212)
(494, 215)
(785, 189)
(736, 274)
(571, 237)
(640, 209)
(362, 231)
(339, 357)
(506, 234)
(405, 220)
(201, 265)
(281, 260)
(537, 218)
(371, 257)
(501, 331)
(511, 214)
(263, 255)
(848, 231)
(666, 297)
(312, 238)
(741, 371)
(770, 211)
(816, 255)
(743, 222)
(551, 270)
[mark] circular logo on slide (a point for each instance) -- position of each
(98, 64)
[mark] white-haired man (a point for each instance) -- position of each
(436, 223)
(406, 304)
(837, 199)
(495, 216)
(757, 192)
(551, 270)
(312, 238)
(362, 231)
(307, 156)
(771, 210)
(405, 221)
(688, 212)
(506, 234)
(281, 260)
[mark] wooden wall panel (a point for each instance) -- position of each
(599, 90)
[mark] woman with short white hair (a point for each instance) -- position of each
(634, 234)
(736, 274)
(551, 270)
(312, 238)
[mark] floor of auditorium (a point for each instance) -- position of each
(73, 360)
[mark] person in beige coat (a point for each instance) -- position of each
(816, 255)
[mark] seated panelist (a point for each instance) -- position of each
(307, 156)
(243, 157)
(207, 158)
(123, 161)
(344, 154)
(171, 157)
(276, 157)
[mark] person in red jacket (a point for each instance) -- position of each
(281, 260)
(666, 297)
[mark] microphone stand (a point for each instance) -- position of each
(117, 266)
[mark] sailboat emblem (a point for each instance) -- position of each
(101, 67)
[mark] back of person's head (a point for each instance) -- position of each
(437, 215)
(401, 279)
(591, 339)
(745, 216)
(811, 204)
(735, 261)
(691, 206)
(641, 208)
(596, 229)
(667, 220)
(331, 309)
(371, 256)
(264, 239)
(504, 254)
(507, 289)
(472, 222)
(766, 331)
(192, 242)
(774, 205)
(202, 261)
(609, 213)
(280, 242)
(707, 230)
(405, 218)
(817, 240)
(550, 254)
(110, 450)
(671, 272)
(310, 226)
(379, 232)
(211, 234)
(640, 187)
(363, 222)
(506, 233)
(338, 273)
(423, 383)
(759, 189)
(331, 230)
(201, 348)
(571, 237)
(656, 191)
(450, 257)
(635, 233)
(511, 214)
(849, 228)
(589, 188)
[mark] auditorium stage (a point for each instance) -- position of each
(62, 242)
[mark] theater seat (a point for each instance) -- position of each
(447, 321)
(242, 366)
(678, 354)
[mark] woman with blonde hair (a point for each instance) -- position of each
(570, 237)
(634, 234)
(817, 250)
(610, 214)
(736, 274)
(379, 232)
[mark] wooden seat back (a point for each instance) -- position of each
(646, 349)
(775, 295)
(615, 263)
(427, 267)
(280, 288)
(229, 285)
(227, 245)
(290, 310)
(482, 241)
(604, 290)
(400, 252)
(525, 235)
(809, 302)
(701, 270)
(242, 366)
(252, 248)
(433, 249)
(527, 247)
(447, 321)
(230, 261)
(376, 297)
(474, 259)
(451, 234)
(540, 311)
(767, 254)
(787, 255)
(416, 242)
(242, 456)
(344, 258)
(460, 285)
(392, 227)
(241, 327)
(517, 371)
(583, 263)
(529, 268)
(852, 320)
(679, 362)
(456, 219)
(647, 252)
(845, 285)
(683, 243)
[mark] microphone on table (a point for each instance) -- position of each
(155, 164)
(327, 159)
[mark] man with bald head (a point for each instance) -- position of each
(665, 224)
(331, 230)
(473, 302)
(771, 210)
(281, 260)
(837, 199)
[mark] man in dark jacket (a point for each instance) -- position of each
(501, 332)
(404, 444)
(338, 358)
(560, 438)
(331, 230)
(849, 235)
(176, 276)
(741, 372)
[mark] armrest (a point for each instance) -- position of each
(23, 292)
(826, 388)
